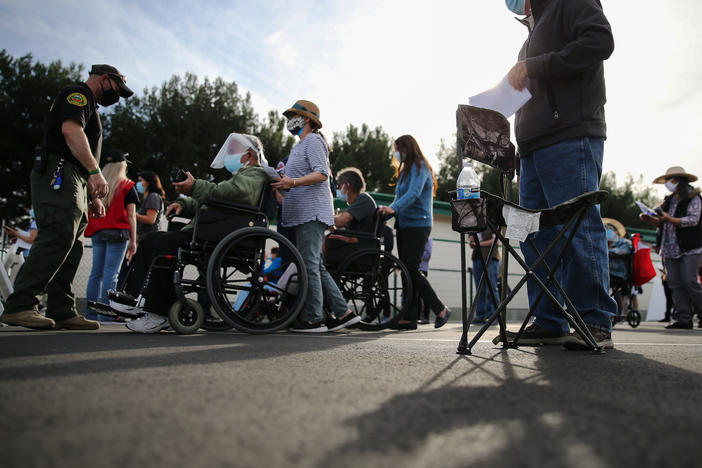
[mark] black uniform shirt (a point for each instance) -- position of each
(74, 102)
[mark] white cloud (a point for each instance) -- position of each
(404, 65)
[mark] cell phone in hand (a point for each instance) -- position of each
(180, 176)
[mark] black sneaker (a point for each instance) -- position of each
(679, 326)
(337, 324)
(305, 327)
(575, 342)
(534, 335)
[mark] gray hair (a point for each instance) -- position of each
(354, 178)
(257, 146)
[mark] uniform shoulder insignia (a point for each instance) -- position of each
(77, 99)
(280, 166)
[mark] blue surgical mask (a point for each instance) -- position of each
(342, 196)
(670, 185)
(31, 213)
(232, 162)
(399, 156)
(140, 187)
(516, 6)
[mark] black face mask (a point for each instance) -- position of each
(109, 97)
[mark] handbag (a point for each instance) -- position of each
(483, 135)
(643, 266)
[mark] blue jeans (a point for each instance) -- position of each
(107, 259)
(321, 288)
(486, 307)
(550, 176)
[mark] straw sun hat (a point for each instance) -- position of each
(675, 171)
(615, 225)
(306, 108)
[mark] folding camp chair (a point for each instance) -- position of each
(483, 135)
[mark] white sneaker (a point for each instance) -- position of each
(149, 323)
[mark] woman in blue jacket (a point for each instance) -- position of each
(412, 208)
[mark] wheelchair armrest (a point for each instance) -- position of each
(359, 234)
(227, 205)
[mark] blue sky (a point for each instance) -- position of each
(404, 65)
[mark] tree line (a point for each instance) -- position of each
(182, 123)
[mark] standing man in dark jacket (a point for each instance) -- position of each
(65, 174)
(561, 133)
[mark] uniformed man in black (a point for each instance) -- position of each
(66, 182)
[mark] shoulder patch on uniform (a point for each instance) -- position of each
(280, 166)
(77, 99)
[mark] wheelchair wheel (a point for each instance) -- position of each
(633, 318)
(186, 320)
(377, 287)
(240, 293)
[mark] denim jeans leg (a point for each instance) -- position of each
(485, 306)
(309, 243)
(114, 254)
(550, 176)
(96, 274)
(333, 299)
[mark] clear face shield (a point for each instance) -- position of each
(235, 145)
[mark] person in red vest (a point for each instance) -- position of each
(114, 234)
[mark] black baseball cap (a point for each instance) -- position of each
(119, 78)
(116, 156)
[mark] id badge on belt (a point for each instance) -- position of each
(57, 178)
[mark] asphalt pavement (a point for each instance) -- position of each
(113, 398)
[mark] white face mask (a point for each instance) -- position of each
(670, 185)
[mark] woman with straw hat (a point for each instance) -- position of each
(681, 243)
(308, 207)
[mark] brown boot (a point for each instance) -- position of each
(77, 323)
(29, 319)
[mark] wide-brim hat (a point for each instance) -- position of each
(116, 155)
(616, 225)
(675, 171)
(120, 79)
(306, 108)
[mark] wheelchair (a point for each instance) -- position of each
(620, 291)
(218, 274)
(375, 283)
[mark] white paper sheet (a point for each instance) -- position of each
(645, 209)
(520, 223)
(503, 98)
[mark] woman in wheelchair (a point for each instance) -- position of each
(241, 155)
(620, 275)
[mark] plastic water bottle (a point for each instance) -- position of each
(468, 183)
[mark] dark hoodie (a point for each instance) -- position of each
(564, 54)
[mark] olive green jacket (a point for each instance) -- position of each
(244, 187)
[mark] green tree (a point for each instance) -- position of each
(182, 125)
(448, 171)
(27, 89)
(369, 151)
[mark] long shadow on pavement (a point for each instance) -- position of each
(571, 409)
(108, 352)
